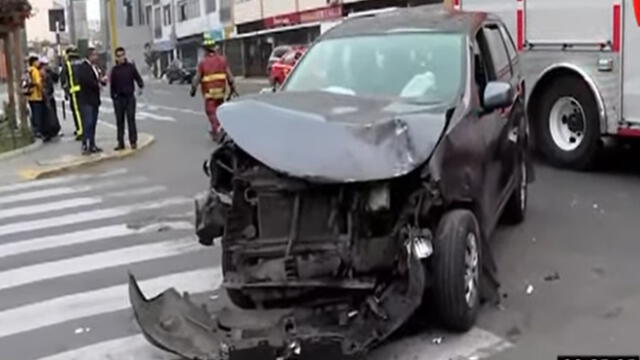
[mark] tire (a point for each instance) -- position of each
(516, 209)
(578, 154)
(454, 233)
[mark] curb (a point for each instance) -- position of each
(37, 144)
(36, 173)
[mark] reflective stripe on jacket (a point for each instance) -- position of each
(214, 76)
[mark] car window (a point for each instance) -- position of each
(501, 62)
(423, 67)
(511, 47)
(483, 73)
(280, 51)
(289, 58)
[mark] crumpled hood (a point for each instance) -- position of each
(331, 137)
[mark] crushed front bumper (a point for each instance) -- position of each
(174, 323)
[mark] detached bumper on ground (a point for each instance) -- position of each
(174, 323)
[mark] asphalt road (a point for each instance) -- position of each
(569, 274)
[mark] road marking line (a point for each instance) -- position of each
(101, 301)
(88, 216)
(58, 180)
(476, 342)
(66, 190)
(148, 115)
(86, 263)
(86, 236)
(134, 347)
(51, 206)
(74, 202)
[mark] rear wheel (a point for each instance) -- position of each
(568, 125)
(457, 265)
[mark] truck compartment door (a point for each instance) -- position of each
(631, 70)
(569, 21)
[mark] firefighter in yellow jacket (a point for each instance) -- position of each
(71, 87)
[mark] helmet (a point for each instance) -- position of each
(208, 42)
(72, 51)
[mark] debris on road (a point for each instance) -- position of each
(552, 277)
(80, 330)
(213, 297)
(613, 313)
(529, 289)
(534, 239)
(514, 333)
(598, 271)
(437, 340)
(595, 206)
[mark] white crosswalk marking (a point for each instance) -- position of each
(101, 301)
(88, 216)
(107, 259)
(133, 347)
(63, 239)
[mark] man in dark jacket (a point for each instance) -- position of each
(90, 79)
(123, 76)
(50, 123)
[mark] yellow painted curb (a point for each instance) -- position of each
(39, 172)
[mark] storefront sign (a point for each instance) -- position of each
(315, 15)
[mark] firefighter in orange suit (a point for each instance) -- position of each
(213, 76)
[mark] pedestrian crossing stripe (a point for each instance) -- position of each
(105, 300)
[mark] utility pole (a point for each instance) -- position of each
(113, 24)
(72, 23)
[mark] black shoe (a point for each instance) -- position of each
(134, 146)
(95, 150)
(85, 150)
(119, 148)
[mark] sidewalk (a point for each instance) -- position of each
(63, 153)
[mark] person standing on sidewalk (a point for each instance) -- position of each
(90, 80)
(123, 76)
(71, 88)
(50, 125)
(34, 92)
(213, 76)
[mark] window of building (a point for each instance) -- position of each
(141, 20)
(128, 12)
(188, 9)
(210, 6)
(147, 14)
(157, 23)
(225, 11)
(166, 12)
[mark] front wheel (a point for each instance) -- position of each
(568, 125)
(457, 266)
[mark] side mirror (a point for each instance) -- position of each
(498, 95)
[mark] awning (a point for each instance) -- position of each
(276, 30)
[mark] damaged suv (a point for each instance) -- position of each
(365, 189)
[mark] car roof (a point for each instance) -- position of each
(419, 18)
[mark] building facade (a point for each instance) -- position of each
(133, 27)
(262, 25)
(38, 22)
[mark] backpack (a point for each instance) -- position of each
(26, 83)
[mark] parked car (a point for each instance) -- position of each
(277, 54)
(383, 166)
(281, 67)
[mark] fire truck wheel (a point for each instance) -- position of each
(568, 126)
(457, 265)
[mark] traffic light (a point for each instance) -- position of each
(56, 16)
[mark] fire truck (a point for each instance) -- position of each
(581, 60)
